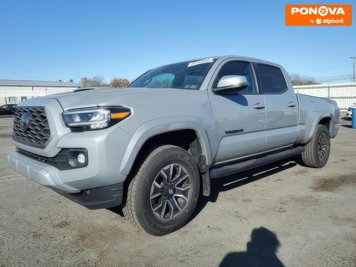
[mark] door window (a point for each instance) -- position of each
(270, 79)
(238, 68)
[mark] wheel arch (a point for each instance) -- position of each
(323, 120)
(326, 121)
(189, 135)
(309, 128)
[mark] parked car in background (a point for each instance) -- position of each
(7, 109)
(349, 111)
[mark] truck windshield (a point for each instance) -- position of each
(185, 75)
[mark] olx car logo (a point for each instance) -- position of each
(24, 121)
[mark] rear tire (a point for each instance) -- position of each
(163, 194)
(317, 151)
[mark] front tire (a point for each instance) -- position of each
(163, 194)
(317, 151)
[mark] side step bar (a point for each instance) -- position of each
(254, 163)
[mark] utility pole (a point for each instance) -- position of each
(353, 63)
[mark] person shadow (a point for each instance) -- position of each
(261, 251)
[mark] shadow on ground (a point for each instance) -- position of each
(260, 251)
(234, 181)
(243, 178)
(346, 126)
(345, 122)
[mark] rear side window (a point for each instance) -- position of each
(270, 79)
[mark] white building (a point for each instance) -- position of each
(15, 91)
(344, 93)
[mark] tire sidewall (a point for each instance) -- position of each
(145, 215)
(321, 130)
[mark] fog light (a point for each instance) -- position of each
(77, 157)
(81, 158)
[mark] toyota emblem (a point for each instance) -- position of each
(24, 121)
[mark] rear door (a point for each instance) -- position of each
(281, 106)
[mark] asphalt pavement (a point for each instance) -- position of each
(283, 214)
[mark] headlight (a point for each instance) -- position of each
(94, 118)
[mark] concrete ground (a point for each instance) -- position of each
(282, 214)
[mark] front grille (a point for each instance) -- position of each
(31, 126)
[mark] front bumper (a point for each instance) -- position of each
(97, 198)
(105, 151)
(36, 171)
(99, 184)
(44, 174)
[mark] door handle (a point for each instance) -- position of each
(291, 105)
(258, 105)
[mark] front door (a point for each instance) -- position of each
(239, 117)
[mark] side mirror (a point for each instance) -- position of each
(231, 82)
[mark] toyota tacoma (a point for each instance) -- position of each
(154, 147)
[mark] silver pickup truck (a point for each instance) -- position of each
(153, 148)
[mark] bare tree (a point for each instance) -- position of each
(96, 81)
(119, 83)
(298, 79)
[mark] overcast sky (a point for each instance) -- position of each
(69, 39)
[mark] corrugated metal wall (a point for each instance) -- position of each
(17, 94)
(343, 94)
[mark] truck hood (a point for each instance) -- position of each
(146, 104)
(172, 106)
(111, 97)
